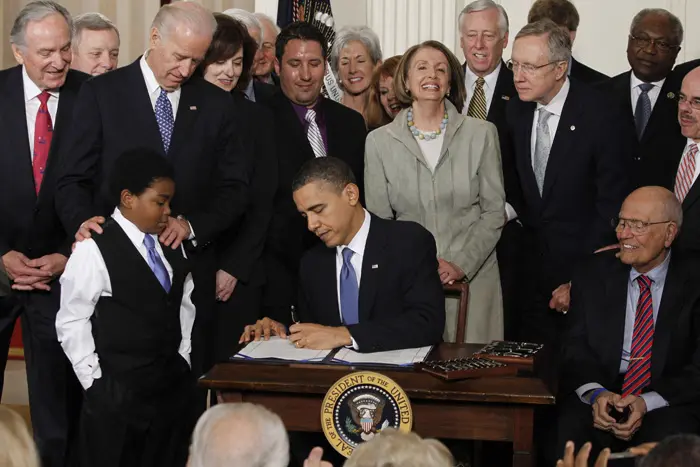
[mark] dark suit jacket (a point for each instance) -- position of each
(593, 348)
(689, 238)
(683, 69)
(584, 186)
(114, 114)
(241, 246)
(402, 304)
(30, 224)
(586, 74)
(661, 136)
(264, 92)
(288, 236)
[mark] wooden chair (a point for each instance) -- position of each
(461, 289)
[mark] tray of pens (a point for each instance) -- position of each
(518, 353)
(465, 368)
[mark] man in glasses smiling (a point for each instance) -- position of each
(647, 93)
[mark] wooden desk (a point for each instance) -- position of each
(490, 409)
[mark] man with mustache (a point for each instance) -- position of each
(647, 93)
(632, 341)
(154, 103)
(37, 100)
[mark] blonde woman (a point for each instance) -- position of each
(405, 449)
(434, 166)
(17, 447)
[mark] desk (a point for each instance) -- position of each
(489, 409)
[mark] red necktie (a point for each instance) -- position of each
(686, 172)
(638, 373)
(43, 131)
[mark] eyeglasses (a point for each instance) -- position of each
(636, 226)
(526, 68)
(661, 46)
(693, 102)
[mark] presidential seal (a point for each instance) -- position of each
(359, 406)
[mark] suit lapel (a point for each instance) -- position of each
(665, 107)
(327, 280)
(614, 314)
(187, 113)
(374, 253)
(457, 121)
(501, 94)
(622, 89)
(143, 109)
(295, 130)
(398, 129)
(16, 130)
(60, 126)
(523, 138)
(563, 140)
(667, 317)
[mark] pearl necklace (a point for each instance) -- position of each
(427, 135)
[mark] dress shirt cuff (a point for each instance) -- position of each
(654, 401)
(192, 236)
(354, 344)
(88, 370)
(582, 391)
(510, 212)
(185, 349)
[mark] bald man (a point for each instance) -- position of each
(632, 346)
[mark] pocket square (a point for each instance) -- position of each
(375, 266)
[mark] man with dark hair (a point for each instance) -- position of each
(674, 451)
(565, 15)
(374, 286)
(631, 360)
(308, 126)
(37, 100)
(647, 94)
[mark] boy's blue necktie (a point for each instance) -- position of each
(349, 291)
(156, 263)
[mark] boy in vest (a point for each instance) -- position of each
(125, 322)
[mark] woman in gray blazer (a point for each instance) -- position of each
(436, 167)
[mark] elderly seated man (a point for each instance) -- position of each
(631, 364)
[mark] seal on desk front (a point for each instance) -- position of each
(359, 406)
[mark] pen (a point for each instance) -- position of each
(295, 319)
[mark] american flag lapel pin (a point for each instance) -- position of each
(375, 266)
(505, 98)
(193, 107)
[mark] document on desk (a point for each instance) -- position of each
(402, 357)
(280, 349)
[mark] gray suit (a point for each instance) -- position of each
(461, 203)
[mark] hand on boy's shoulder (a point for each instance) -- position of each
(86, 228)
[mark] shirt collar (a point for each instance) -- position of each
(657, 275)
(31, 90)
(688, 143)
(151, 83)
(134, 233)
(358, 242)
(301, 110)
(490, 80)
(635, 82)
(556, 105)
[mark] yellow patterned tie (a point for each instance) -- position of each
(477, 106)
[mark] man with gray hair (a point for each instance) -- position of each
(257, 91)
(156, 103)
(570, 153)
(483, 29)
(37, 100)
(95, 44)
(241, 434)
(264, 69)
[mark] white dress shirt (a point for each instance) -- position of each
(697, 164)
(84, 281)
(357, 245)
(490, 81)
(31, 107)
(555, 107)
(154, 88)
(636, 92)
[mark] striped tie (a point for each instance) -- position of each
(686, 172)
(314, 134)
(639, 371)
(477, 106)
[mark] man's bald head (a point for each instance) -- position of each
(650, 219)
(239, 434)
(689, 105)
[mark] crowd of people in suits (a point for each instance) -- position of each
(262, 207)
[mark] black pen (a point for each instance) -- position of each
(292, 310)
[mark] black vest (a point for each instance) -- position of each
(137, 330)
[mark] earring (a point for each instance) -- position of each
(448, 93)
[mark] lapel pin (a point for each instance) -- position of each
(573, 127)
(193, 107)
(375, 266)
(505, 98)
(670, 95)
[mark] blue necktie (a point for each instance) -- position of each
(165, 119)
(348, 290)
(643, 110)
(156, 263)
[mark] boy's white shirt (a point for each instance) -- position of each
(84, 281)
